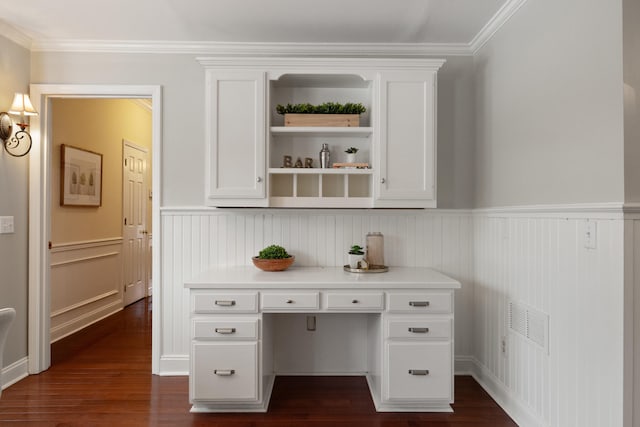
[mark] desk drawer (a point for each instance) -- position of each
(290, 300)
(355, 301)
(418, 328)
(225, 302)
(225, 372)
(227, 329)
(420, 302)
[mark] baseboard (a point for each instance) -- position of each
(520, 413)
(14, 372)
(464, 365)
(78, 323)
(175, 365)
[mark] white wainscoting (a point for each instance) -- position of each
(196, 239)
(539, 259)
(86, 280)
(632, 318)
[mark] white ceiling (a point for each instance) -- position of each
(252, 21)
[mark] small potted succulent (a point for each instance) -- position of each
(351, 154)
(356, 256)
(273, 258)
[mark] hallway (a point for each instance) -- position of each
(101, 377)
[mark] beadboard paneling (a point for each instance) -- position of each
(542, 262)
(194, 240)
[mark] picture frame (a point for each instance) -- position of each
(80, 177)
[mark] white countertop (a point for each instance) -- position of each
(248, 277)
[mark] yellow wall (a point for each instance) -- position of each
(97, 125)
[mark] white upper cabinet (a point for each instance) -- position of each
(406, 150)
(235, 132)
(252, 152)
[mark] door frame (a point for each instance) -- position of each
(39, 336)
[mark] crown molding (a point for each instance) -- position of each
(499, 19)
(232, 49)
(15, 35)
(283, 49)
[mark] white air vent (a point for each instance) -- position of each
(530, 323)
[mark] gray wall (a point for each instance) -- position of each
(631, 34)
(549, 106)
(182, 80)
(14, 191)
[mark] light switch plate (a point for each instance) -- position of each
(590, 234)
(6, 224)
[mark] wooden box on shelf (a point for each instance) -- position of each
(322, 120)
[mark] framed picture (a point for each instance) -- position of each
(81, 177)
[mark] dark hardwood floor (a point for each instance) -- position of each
(102, 377)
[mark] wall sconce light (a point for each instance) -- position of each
(19, 144)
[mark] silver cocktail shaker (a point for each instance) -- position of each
(325, 156)
(375, 249)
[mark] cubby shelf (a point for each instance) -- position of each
(322, 131)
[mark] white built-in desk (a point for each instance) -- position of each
(404, 326)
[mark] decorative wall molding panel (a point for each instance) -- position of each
(86, 280)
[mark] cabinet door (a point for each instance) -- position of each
(236, 138)
(406, 155)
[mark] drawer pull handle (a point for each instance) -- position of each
(226, 330)
(289, 301)
(419, 330)
(224, 372)
(418, 372)
(355, 301)
(419, 303)
(225, 303)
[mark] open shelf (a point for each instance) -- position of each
(363, 132)
(320, 171)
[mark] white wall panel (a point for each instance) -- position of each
(86, 279)
(541, 261)
(194, 240)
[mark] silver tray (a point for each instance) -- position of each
(373, 269)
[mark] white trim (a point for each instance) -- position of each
(86, 258)
(495, 23)
(39, 345)
(608, 210)
(86, 302)
(15, 35)
(464, 365)
(522, 415)
(14, 373)
(174, 365)
(253, 49)
(85, 244)
(78, 323)
(203, 210)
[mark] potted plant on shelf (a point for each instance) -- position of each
(356, 256)
(328, 114)
(351, 154)
(273, 258)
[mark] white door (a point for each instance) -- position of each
(134, 210)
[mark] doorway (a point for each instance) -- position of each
(40, 210)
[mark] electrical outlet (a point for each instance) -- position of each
(6, 224)
(311, 323)
(503, 346)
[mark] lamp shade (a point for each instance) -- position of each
(22, 106)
